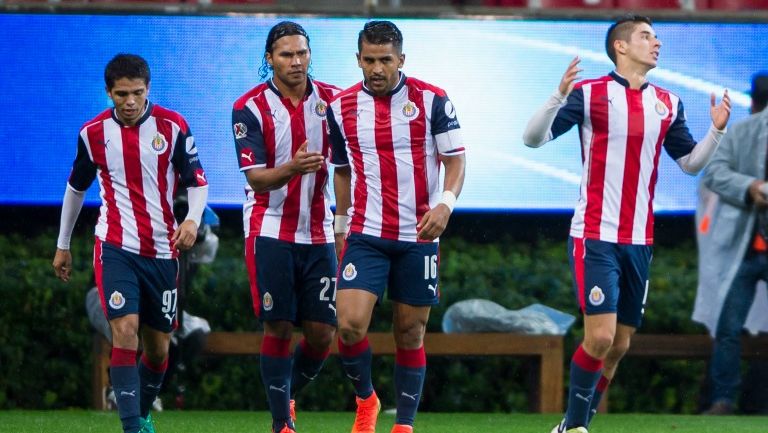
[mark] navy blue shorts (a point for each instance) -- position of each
(407, 269)
(290, 281)
(610, 278)
(133, 284)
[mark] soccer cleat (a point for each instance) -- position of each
(402, 428)
(560, 428)
(292, 410)
(367, 413)
(147, 425)
(286, 429)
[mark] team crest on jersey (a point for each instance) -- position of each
(596, 296)
(321, 108)
(116, 300)
(349, 273)
(661, 109)
(159, 143)
(240, 130)
(267, 302)
(410, 110)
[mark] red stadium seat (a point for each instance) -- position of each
(577, 4)
(736, 5)
(648, 4)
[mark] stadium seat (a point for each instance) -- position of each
(736, 5)
(648, 4)
(577, 4)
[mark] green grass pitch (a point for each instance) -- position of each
(78, 421)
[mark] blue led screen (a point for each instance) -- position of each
(497, 73)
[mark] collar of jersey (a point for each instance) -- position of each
(396, 89)
(273, 87)
(145, 116)
(623, 81)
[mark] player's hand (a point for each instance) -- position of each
(62, 264)
(184, 236)
(433, 223)
(570, 77)
(306, 162)
(340, 241)
(721, 112)
(758, 198)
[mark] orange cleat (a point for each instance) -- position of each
(292, 410)
(402, 428)
(367, 413)
(286, 429)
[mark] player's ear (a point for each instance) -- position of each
(401, 57)
(268, 56)
(620, 46)
(359, 60)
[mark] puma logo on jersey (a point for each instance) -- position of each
(247, 156)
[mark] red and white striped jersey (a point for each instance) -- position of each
(392, 144)
(139, 168)
(622, 131)
(268, 131)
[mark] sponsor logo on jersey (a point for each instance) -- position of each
(191, 148)
(240, 130)
(116, 300)
(349, 273)
(200, 176)
(410, 110)
(159, 143)
(661, 109)
(321, 108)
(450, 110)
(246, 157)
(596, 296)
(267, 302)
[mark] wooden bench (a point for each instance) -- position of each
(546, 395)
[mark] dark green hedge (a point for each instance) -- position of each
(45, 337)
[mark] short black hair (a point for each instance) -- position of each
(128, 66)
(379, 33)
(279, 30)
(622, 30)
(759, 91)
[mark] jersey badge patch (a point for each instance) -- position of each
(240, 130)
(158, 143)
(267, 302)
(349, 272)
(596, 296)
(116, 300)
(321, 108)
(410, 110)
(661, 109)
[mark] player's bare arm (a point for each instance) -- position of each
(269, 179)
(342, 185)
(62, 264)
(436, 219)
(570, 77)
(721, 112)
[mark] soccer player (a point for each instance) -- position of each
(282, 146)
(623, 122)
(140, 153)
(390, 133)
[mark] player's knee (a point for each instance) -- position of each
(125, 333)
(156, 354)
(351, 333)
(598, 344)
(619, 348)
(410, 336)
(320, 338)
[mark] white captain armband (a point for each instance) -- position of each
(450, 142)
